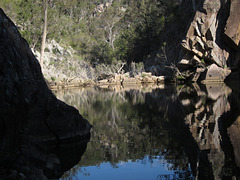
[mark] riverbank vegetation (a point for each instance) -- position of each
(101, 32)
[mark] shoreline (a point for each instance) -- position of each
(110, 80)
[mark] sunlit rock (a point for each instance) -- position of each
(232, 29)
(205, 39)
(215, 73)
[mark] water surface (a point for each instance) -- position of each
(171, 132)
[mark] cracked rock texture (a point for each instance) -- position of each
(212, 36)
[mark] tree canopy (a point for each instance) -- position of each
(101, 31)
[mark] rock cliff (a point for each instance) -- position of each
(208, 48)
(35, 127)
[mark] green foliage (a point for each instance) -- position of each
(101, 53)
(203, 61)
(146, 20)
(126, 30)
(9, 8)
(53, 78)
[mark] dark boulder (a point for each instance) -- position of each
(35, 126)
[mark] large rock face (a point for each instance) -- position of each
(232, 29)
(212, 37)
(201, 39)
(34, 124)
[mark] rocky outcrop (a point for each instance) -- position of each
(232, 29)
(102, 7)
(61, 63)
(128, 78)
(34, 124)
(212, 37)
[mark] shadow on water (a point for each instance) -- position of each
(196, 126)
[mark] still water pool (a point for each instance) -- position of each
(169, 132)
(141, 169)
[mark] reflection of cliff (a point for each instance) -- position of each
(234, 134)
(210, 116)
(203, 112)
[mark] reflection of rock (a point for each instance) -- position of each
(34, 125)
(212, 116)
(202, 120)
(216, 90)
(234, 133)
(203, 114)
(36, 159)
(160, 114)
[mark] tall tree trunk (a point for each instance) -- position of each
(45, 5)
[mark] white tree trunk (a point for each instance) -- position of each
(44, 32)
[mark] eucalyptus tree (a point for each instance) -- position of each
(44, 35)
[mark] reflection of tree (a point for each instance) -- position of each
(195, 124)
(130, 127)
